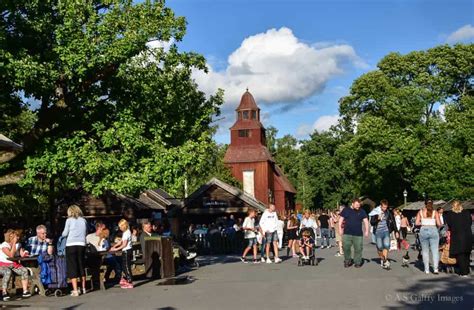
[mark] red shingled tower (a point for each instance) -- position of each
(252, 163)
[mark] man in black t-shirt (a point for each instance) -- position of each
(352, 232)
(323, 223)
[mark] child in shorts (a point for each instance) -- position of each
(306, 244)
(250, 236)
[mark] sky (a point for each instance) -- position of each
(298, 58)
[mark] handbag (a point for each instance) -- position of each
(445, 259)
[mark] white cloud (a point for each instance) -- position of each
(462, 34)
(165, 45)
(323, 123)
(278, 67)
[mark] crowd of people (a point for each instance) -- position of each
(435, 231)
(343, 228)
(81, 250)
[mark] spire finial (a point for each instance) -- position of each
(247, 89)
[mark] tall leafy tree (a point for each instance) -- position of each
(110, 112)
(402, 140)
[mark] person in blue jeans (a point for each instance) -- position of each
(384, 225)
(429, 221)
(323, 223)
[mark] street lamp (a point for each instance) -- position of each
(405, 194)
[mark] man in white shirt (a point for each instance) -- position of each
(268, 227)
(94, 238)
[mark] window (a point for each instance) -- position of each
(246, 114)
(239, 115)
(244, 133)
(254, 114)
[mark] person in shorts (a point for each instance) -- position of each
(268, 226)
(250, 236)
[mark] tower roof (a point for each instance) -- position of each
(247, 102)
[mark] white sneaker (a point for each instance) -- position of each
(277, 260)
(427, 271)
(262, 259)
(191, 255)
(268, 261)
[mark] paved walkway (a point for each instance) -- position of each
(226, 283)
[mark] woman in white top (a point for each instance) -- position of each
(8, 250)
(429, 235)
(126, 247)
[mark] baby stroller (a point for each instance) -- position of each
(417, 244)
(311, 260)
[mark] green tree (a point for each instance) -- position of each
(327, 170)
(109, 111)
(402, 140)
(271, 137)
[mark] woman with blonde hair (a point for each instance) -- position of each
(459, 223)
(8, 249)
(126, 247)
(75, 231)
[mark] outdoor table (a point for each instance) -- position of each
(31, 262)
(158, 257)
(102, 255)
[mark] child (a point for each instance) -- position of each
(250, 235)
(126, 247)
(306, 244)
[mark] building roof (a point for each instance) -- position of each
(228, 188)
(108, 204)
(247, 154)
(283, 180)
(8, 145)
(159, 199)
(247, 102)
(418, 205)
(247, 124)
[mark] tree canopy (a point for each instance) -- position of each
(95, 103)
(409, 124)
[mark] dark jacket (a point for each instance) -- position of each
(461, 235)
(391, 223)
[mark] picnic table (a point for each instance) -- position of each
(102, 255)
(31, 262)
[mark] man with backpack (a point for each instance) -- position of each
(384, 225)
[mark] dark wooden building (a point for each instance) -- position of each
(252, 163)
(217, 198)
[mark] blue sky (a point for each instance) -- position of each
(324, 46)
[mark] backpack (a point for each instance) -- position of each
(61, 248)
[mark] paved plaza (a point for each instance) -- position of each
(226, 283)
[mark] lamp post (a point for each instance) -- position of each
(405, 194)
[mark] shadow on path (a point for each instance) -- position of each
(444, 293)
